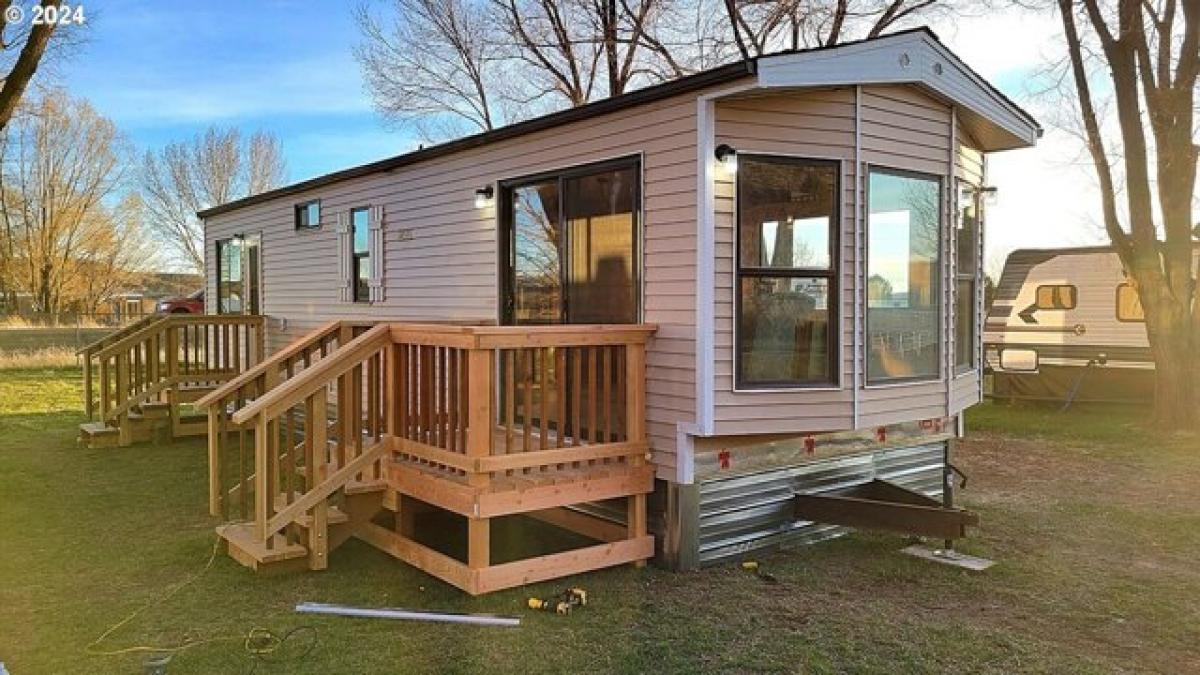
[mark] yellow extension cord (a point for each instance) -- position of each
(256, 641)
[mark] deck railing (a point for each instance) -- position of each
(231, 446)
(90, 365)
(174, 350)
(476, 404)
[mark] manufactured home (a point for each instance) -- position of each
(1067, 325)
(733, 311)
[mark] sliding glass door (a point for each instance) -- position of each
(571, 246)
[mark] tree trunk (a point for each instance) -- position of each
(1176, 400)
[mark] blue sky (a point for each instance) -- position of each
(165, 71)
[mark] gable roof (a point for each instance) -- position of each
(784, 69)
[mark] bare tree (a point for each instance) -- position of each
(433, 65)
(764, 26)
(61, 161)
(189, 176)
(1147, 53)
(33, 41)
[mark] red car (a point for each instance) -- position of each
(189, 304)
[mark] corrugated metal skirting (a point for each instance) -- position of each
(754, 511)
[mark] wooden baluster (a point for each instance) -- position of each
(510, 397)
(543, 356)
(124, 434)
(403, 401)
(463, 396)
(105, 389)
(436, 376)
(452, 400)
(622, 428)
(243, 470)
(527, 400)
(591, 399)
(239, 336)
(426, 392)
(577, 396)
(635, 410)
(606, 396)
(560, 395)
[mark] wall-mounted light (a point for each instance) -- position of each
(991, 194)
(483, 197)
(727, 157)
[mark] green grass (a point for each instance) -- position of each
(27, 339)
(1097, 573)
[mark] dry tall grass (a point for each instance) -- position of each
(20, 322)
(43, 357)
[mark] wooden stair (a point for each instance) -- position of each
(307, 542)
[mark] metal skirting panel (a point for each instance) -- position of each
(754, 511)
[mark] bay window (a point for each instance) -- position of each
(903, 276)
(786, 277)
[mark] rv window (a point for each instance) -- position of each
(1061, 296)
(1129, 304)
(787, 287)
(308, 215)
(1019, 360)
(360, 221)
(966, 240)
(229, 276)
(903, 276)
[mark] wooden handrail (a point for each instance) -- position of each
(300, 387)
(171, 320)
(103, 342)
(313, 337)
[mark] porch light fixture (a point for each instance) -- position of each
(727, 157)
(483, 197)
(990, 194)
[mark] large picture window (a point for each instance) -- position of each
(230, 283)
(786, 281)
(966, 278)
(360, 222)
(903, 272)
(571, 246)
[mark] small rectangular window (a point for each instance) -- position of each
(1057, 296)
(1129, 304)
(787, 283)
(360, 222)
(904, 270)
(966, 240)
(308, 215)
(1019, 360)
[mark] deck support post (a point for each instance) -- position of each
(479, 444)
(214, 460)
(635, 411)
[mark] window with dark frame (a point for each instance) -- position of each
(229, 276)
(570, 245)
(904, 276)
(1129, 305)
(786, 304)
(966, 278)
(308, 215)
(360, 268)
(1056, 297)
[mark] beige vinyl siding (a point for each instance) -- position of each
(448, 269)
(900, 128)
(815, 125)
(969, 166)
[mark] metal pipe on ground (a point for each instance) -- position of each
(407, 614)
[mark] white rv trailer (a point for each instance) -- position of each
(1066, 324)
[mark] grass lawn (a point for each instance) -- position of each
(1095, 523)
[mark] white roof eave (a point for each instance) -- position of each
(912, 58)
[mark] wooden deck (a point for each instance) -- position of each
(481, 421)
